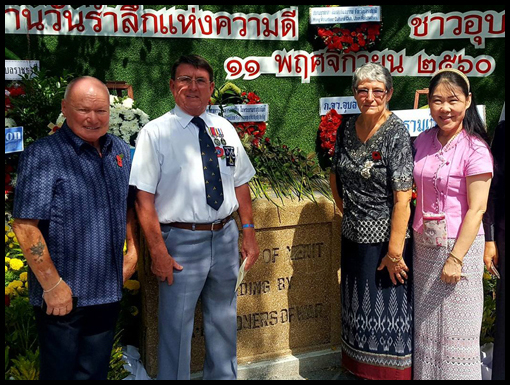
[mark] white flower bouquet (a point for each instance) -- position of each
(126, 121)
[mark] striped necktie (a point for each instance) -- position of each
(212, 175)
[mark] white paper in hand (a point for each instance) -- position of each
(241, 275)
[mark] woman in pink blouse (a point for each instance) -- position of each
(453, 173)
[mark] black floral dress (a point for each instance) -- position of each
(377, 317)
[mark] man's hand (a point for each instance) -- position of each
(130, 262)
(163, 264)
(250, 249)
(163, 268)
(59, 300)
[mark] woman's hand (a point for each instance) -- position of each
(452, 272)
(398, 270)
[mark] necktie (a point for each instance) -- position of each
(212, 175)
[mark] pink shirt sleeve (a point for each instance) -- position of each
(480, 160)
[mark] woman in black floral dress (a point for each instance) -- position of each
(372, 179)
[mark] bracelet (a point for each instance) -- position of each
(394, 260)
(457, 260)
(54, 287)
(248, 226)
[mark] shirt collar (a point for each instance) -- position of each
(79, 144)
(184, 119)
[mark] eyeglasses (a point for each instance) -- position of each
(378, 94)
(187, 81)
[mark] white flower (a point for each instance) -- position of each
(126, 122)
(128, 103)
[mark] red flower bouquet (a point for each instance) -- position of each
(345, 40)
(328, 130)
(359, 37)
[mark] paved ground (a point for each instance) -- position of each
(331, 374)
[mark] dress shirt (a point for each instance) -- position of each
(80, 200)
(168, 164)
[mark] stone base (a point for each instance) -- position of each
(287, 368)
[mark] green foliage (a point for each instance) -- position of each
(489, 313)
(20, 329)
(9, 55)
(117, 371)
(25, 367)
(40, 105)
(286, 172)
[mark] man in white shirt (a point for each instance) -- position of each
(192, 173)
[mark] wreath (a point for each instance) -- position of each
(360, 37)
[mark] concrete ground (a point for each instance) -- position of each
(322, 366)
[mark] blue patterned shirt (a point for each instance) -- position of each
(80, 200)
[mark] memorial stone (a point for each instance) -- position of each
(289, 303)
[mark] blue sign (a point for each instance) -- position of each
(13, 140)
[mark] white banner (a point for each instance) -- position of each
(240, 113)
(14, 69)
(342, 15)
(343, 105)
(135, 21)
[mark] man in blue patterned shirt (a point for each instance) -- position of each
(71, 210)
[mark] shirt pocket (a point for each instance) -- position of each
(457, 184)
(227, 177)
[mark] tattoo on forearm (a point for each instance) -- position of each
(38, 251)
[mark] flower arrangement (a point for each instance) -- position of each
(287, 172)
(328, 129)
(15, 267)
(126, 120)
(347, 40)
(14, 90)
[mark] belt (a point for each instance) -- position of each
(216, 226)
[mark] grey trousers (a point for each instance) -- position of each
(211, 265)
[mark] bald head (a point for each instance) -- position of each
(86, 106)
(85, 81)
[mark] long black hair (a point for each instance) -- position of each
(473, 123)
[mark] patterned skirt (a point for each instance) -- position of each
(448, 318)
(377, 317)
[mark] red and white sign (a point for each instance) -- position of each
(135, 21)
(474, 25)
(326, 63)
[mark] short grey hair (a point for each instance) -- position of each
(372, 72)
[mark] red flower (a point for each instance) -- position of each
(328, 131)
(120, 159)
(376, 156)
(7, 301)
(253, 98)
(345, 40)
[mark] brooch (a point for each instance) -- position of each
(365, 172)
(120, 159)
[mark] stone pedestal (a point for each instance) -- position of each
(289, 302)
